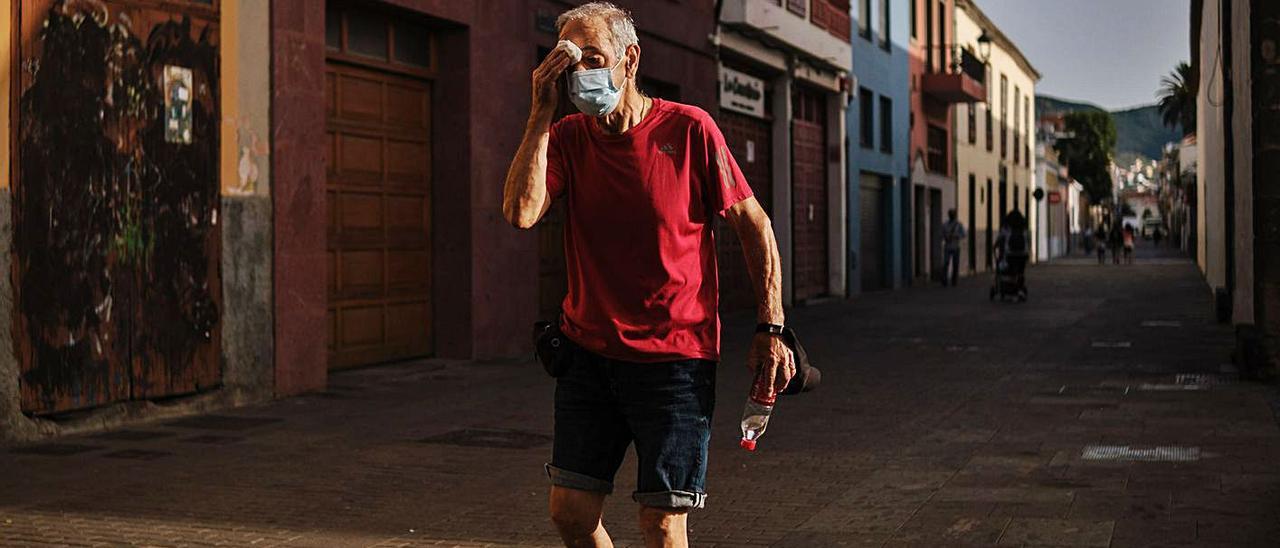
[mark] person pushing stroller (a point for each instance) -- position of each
(1012, 250)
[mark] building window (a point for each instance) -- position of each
(866, 118)
(808, 106)
(373, 35)
(937, 153)
(1026, 105)
(942, 35)
(864, 18)
(884, 24)
(333, 29)
(973, 123)
(915, 20)
(990, 130)
(886, 124)
(412, 46)
(1017, 125)
(1004, 116)
(367, 34)
(928, 36)
(987, 110)
(798, 7)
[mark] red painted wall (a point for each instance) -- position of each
(298, 194)
(923, 108)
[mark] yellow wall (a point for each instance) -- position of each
(6, 64)
(246, 97)
(229, 94)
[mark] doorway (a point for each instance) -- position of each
(378, 110)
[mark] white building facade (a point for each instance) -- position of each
(995, 140)
(784, 93)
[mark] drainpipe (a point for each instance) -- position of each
(1223, 296)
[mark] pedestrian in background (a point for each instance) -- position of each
(1156, 235)
(952, 233)
(1013, 248)
(1128, 243)
(643, 180)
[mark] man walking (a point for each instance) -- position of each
(952, 233)
(643, 180)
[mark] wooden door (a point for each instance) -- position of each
(379, 188)
(115, 205)
(872, 246)
(809, 194)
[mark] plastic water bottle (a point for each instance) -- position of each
(755, 416)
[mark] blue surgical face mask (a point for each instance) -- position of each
(593, 91)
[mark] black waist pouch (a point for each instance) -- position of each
(552, 348)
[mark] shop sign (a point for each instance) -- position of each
(741, 93)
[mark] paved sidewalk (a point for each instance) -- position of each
(945, 420)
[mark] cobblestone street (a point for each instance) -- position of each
(1102, 413)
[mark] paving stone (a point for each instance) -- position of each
(1055, 532)
(907, 444)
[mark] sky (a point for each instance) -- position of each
(1111, 53)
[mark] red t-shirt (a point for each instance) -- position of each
(639, 250)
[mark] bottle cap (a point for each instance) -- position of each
(749, 445)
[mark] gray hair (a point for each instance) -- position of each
(622, 29)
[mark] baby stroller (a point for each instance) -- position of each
(1012, 251)
(1011, 280)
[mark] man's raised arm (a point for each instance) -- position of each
(524, 196)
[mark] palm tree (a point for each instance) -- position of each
(1178, 98)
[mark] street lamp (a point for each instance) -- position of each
(984, 46)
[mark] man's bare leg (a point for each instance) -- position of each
(576, 514)
(664, 527)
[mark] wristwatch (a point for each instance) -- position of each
(770, 328)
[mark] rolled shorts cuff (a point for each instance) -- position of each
(671, 499)
(574, 480)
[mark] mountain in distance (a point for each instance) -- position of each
(1139, 130)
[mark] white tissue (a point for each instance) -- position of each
(575, 53)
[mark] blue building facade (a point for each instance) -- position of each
(878, 144)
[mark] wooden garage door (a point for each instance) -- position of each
(809, 194)
(872, 223)
(379, 184)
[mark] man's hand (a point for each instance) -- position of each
(524, 194)
(546, 84)
(779, 363)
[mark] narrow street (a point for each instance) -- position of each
(944, 420)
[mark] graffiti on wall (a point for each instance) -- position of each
(116, 205)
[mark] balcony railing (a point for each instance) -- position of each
(826, 15)
(963, 82)
(829, 15)
(972, 66)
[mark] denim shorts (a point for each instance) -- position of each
(603, 405)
